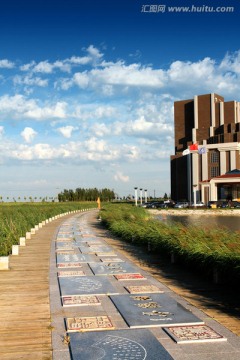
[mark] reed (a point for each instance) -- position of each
(17, 219)
(203, 249)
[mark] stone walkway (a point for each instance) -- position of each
(118, 309)
(34, 327)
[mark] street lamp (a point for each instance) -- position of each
(135, 195)
(145, 194)
(194, 195)
(141, 196)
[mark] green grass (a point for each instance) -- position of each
(199, 248)
(17, 219)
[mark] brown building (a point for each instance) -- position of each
(210, 172)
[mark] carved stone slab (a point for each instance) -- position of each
(85, 235)
(62, 258)
(111, 268)
(66, 252)
(65, 240)
(111, 259)
(86, 285)
(130, 277)
(89, 323)
(69, 265)
(71, 273)
(139, 344)
(134, 289)
(76, 257)
(65, 232)
(85, 249)
(98, 249)
(107, 255)
(80, 300)
(93, 242)
(193, 334)
(148, 310)
(65, 246)
(64, 237)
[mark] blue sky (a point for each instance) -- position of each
(87, 89)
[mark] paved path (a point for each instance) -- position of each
(29, 319)
(201, 351)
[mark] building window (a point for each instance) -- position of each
(214, 157)
(214, 171)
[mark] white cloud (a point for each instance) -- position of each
(16, 104)
(81, 80)
(120, 177)
(43, 67)
(77, 60)
(94, 111)
(30, 81)
(27, 67)
(100, 130)
(19, 106)
(180, 79)
(28, 134)
(6, 64)
(94, 52)
(66, 131)
(231, 62)
(1, 131)
(57, 110)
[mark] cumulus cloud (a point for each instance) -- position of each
(182, 77)
(100, 130)
(131, 124)
(119, 176)
(6, 64)
(66, 131)
(18, 106)
(93, 111)
(30, 81)
(1, 131)
(28, 134)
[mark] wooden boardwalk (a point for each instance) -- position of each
(25, 326)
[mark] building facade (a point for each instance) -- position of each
(206, 163)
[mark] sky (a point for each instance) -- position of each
(87, 88)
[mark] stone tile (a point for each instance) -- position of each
(80, 300)
(111, 268)
(194, 333)
(116, 345)
(71, 273)
(64, 245)
(76, 258)
(143, 289)
(136, 276)
(89, 323)
(149, 310)
(111, 259)
(86, 285)
(69, 265)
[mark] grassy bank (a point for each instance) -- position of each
(17, 219)
(204, 250)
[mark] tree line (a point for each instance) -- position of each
(81, 194)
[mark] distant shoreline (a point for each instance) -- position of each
(211, 212)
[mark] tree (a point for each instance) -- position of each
(165, 196)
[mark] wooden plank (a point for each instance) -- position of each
(25, 327)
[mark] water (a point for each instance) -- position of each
(227, 222)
